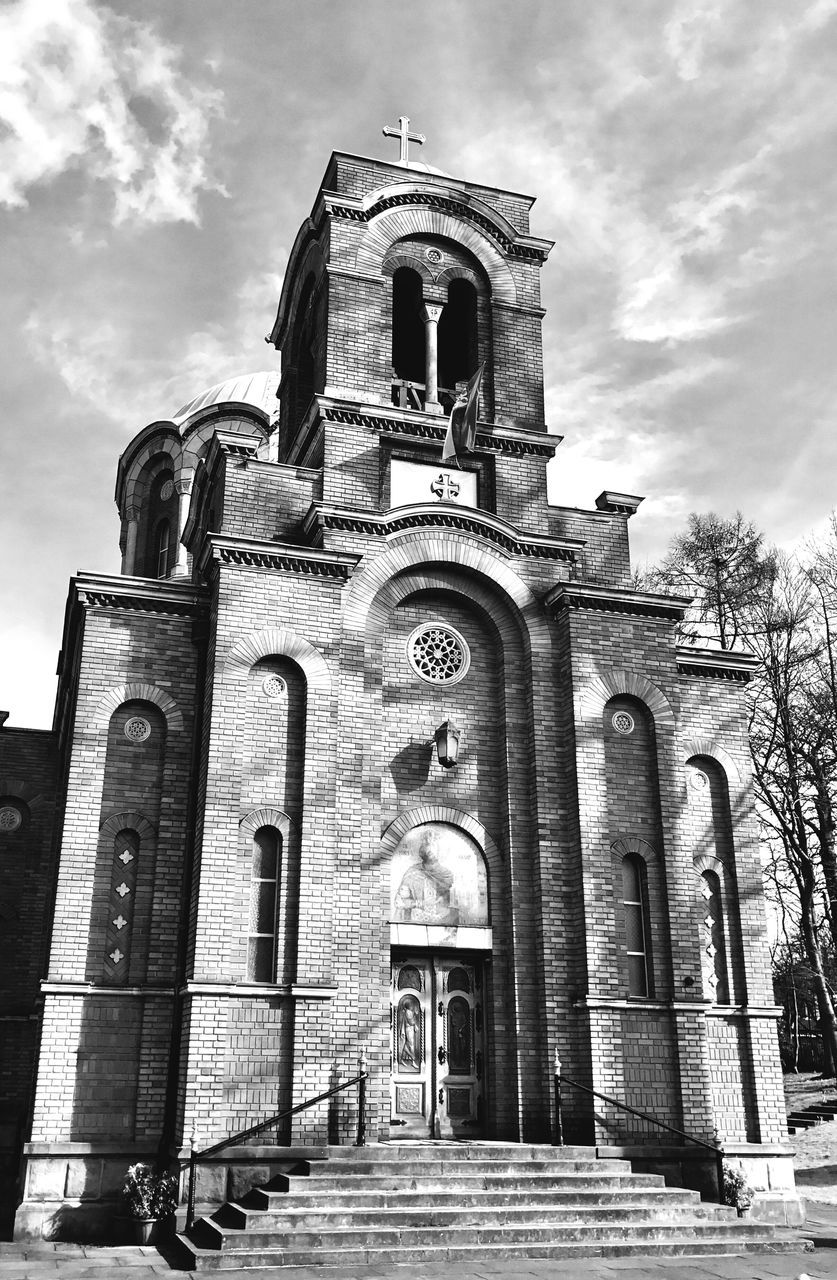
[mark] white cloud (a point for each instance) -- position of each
(84, 87)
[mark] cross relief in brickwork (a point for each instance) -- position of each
(445, 487)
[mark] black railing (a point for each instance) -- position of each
(716, 1150)
(195, 1157)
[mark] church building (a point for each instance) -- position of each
(372, 753)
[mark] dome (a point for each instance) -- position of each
(257, 389)
(427, 168)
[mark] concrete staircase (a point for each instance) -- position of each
(447, 1202)
(807, 1117)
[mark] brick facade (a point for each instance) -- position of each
(271, 670)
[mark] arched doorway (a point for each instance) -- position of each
(441, 940)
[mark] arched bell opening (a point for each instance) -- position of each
(408, 340)
(458, 339)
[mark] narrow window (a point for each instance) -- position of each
(635, 902)
(458, 357)
(407, 328)
(163, 549)
(264, 883)
(714, 949)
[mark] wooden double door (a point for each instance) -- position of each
(438, 1048)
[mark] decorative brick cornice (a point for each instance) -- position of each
(250, 553)
(478, 524)
(141, 595)
(642, 604)
(526, 247)
(716, 664)
(425, 426)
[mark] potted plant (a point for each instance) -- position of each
(147, 1198)
(737, 1191)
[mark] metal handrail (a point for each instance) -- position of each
(714, 1147)
(244, 1134)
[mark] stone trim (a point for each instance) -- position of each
(449, 516)
(393, 833)
(618, 504)
(137, 691)
(708, 747)
(252, 553)
(617, 600)
(20, 789)
(518, 441)
(267, 817)
(128, 820)
(278, 642)
(259, 990)
(622, 846)
(369, 595)
(594, 696)
(425, 203)
(716, 664)
(51, 987)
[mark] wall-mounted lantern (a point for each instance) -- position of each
(447, 744)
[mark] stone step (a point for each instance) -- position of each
(622, 1196)
(718, 1244)
(454, 1151)
(290, 1184)
(409, 1168)
(234, 1219)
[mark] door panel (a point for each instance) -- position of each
(438, 1048)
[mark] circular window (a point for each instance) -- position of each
(11, 819)
(623, 722)
(137, 729)
(274, 688)
(438, 654)
(433, 255)
(698, 779)
(166, 490)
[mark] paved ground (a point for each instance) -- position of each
(44, 1261)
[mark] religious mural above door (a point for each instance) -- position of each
(438, 877)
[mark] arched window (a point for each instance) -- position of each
(264, 895)
(163, 549)
(635, 904)
(458, 357)
(407, 326)
(713, 951)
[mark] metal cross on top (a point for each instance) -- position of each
(403, 133)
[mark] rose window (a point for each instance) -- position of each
(274, 688)
(623, 722)
(137, 729)
(438, 654)
(10, 818)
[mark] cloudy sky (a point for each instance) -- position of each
(157, 157)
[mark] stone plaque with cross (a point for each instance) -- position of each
(412, 482)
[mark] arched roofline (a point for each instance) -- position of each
(163, 428)
(421, 190)
(594, 696)
(368, 598)
(225, 409)
(708, 747)
(307, 244)
(384, 229)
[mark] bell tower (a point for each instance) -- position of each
(401, 283)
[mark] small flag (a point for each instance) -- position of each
(462, 427)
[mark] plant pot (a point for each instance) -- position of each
(144, 1230)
